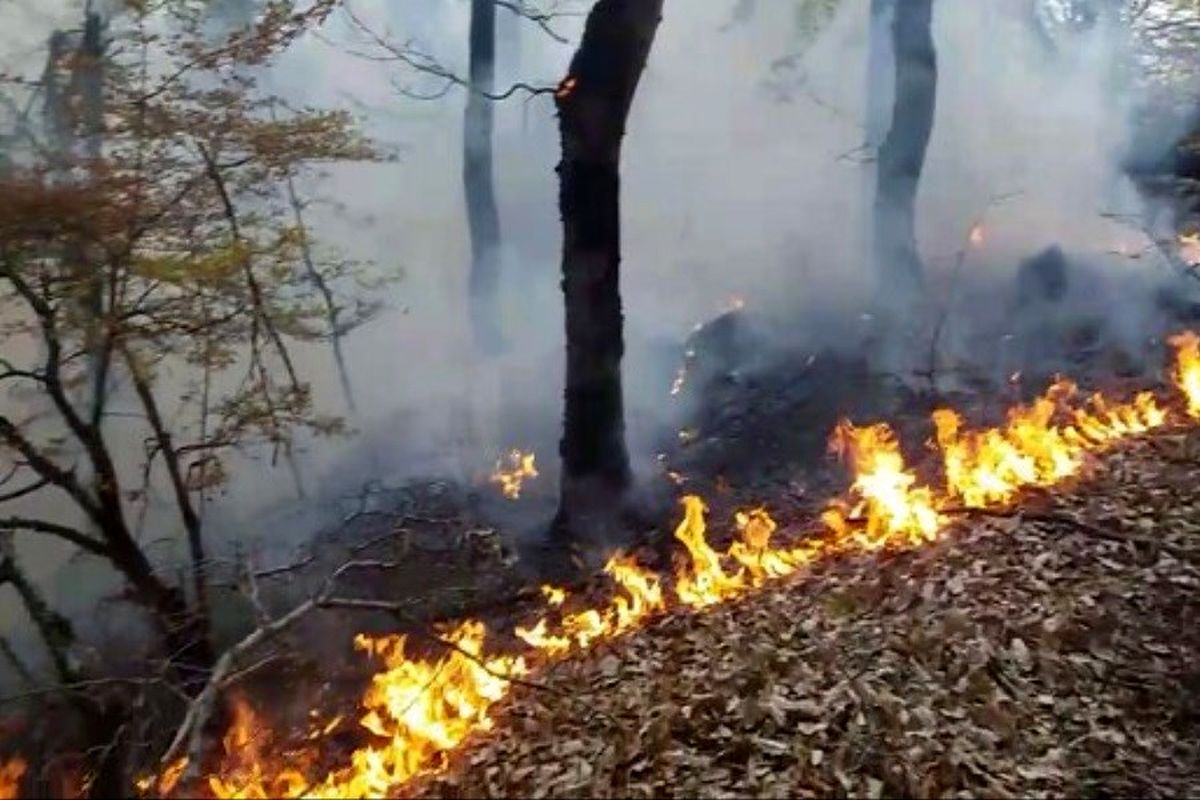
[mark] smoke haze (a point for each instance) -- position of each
(739, 179)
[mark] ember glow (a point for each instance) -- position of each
(417, 710)
(510, 478)
(11, 772)
(682, 373)
(976, 237)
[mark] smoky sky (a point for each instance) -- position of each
(740, 177)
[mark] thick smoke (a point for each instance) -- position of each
(742, 176)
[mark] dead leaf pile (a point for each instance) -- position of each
(1016, 657)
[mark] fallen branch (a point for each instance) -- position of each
(191, 730)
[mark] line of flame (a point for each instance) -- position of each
(418, 711)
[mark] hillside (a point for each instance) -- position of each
(1018, 656)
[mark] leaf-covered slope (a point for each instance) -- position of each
(1015, 657)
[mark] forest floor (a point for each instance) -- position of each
(1017, 656)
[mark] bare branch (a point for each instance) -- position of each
(24, 490)
(71, 535)
(540, 18)
(191, 730)
(409, 55)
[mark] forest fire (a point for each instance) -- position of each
(419, 710)
(1189, 248)
(1187, 370)
(521, 467)
(681, 374)
(11, 772)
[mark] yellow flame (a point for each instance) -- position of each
(520, 468)
(976, 236)
(1186, 372)
(886, 505)
(418, 709)
(554, 596)
(703, 582)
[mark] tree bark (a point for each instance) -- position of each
(183, 499)
(880, 72)
(483, 218)
(593, 104)
(902, 154)
(89, 80)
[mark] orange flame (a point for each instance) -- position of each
(419, 709)
(886, 499)
(566, 87)
(1186, 372)
(520, 468)
(703, 582)
(11, 772)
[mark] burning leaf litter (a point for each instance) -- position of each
(1018, 658)
(418, 711)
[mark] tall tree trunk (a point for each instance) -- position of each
(593, 105)
(880, 73)
(877, 108)
(89, 80)
(902, 154)
(483, 218)
(175, 472)
(185, 633)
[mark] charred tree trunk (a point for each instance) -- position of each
(593, 105)
(902, 153)
(483, 218)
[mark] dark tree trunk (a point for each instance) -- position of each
(483, 218)
(175, 472)
(880, 73)
(185, 632)
(593, 104)
(902, 154)
(877, 107)
(90, 80)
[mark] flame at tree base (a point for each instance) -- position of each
(417, 711)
